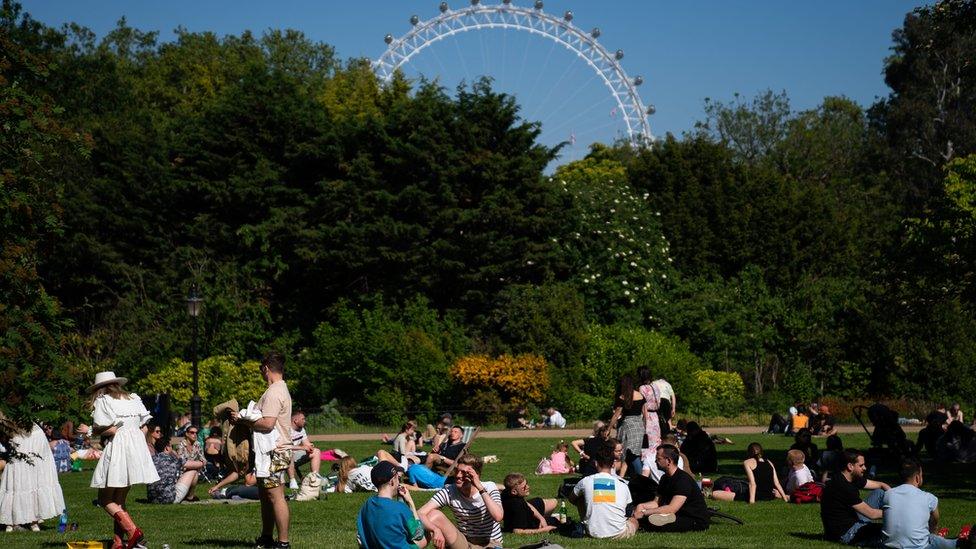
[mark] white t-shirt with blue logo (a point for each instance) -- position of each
(607, 497)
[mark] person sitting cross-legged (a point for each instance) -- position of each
(846, 517)
(602, 499)
(679, 505)
(525, 516)
(911, 515)
(384, 522)
(477, 506)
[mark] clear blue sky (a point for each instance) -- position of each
(686, 51)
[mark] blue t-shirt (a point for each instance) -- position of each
(906, 516)
(387, 524)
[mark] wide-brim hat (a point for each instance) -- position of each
(106, 378)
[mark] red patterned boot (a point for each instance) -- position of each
(124, 521)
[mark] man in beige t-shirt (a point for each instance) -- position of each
(275, 406)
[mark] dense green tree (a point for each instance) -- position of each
(548, 320)
(929, 118)
(37, 152)
(381, 358)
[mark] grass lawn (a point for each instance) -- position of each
(331, 522)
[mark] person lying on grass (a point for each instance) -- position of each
(761, 475)
(477, 506)
(385, 522)
(846, 517)
(525, 516)
(679, 505)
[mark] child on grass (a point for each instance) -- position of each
(561, 462)
(799, 473)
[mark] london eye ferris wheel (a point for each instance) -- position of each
(559, 90)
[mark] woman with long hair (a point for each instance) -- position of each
(117, 417)
(761, 475)
(629, 409)
(153, 433)
(405, 443)
(652, 425)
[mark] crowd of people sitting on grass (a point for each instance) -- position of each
(643, 471)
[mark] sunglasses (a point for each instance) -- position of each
(191, 432)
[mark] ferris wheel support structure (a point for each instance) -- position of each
(533, 20)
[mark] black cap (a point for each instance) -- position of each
(383, 472)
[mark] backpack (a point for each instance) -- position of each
(738, 486)
(544, 467)
(809, 492)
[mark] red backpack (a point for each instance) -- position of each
(809, 492)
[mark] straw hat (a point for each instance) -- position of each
(105, 378)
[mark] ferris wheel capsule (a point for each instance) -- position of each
(388, 38)
(619, 55)
(651, 109)
(506, 2)
(475, 2)
(414, 20)
(595, 33)
(638, 80)
(568, 16)
(443, 7)
(538, 4)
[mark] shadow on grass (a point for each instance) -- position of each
(807, 536)
(219, 543)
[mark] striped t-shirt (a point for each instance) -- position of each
(473, 519)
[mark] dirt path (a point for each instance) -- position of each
(581, 433)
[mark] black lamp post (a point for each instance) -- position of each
(193, 303)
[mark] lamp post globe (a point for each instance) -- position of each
(193, 305)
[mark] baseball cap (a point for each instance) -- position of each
(383, 472)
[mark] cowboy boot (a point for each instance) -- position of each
(117, 541)
(124, 520)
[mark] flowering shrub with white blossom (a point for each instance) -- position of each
(620, 256)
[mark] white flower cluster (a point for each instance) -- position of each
(620, 237)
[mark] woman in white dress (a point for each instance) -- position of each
(29, 488)
(117, 417)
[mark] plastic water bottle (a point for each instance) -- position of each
(63, 523)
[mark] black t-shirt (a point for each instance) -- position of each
(681, 484)
(701, 452)
(517, 513)
(636, 407)
(837, 505)
(450, 451)
(591, 446)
